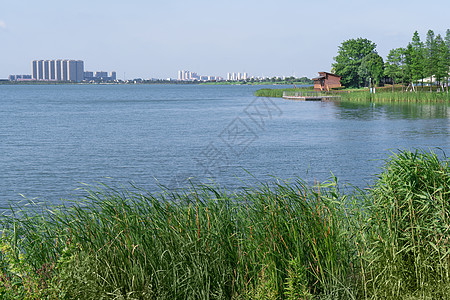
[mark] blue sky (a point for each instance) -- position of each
(157, 38)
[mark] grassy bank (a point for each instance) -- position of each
(283, 82)
(275, 241)
(278, 93)
(384, 95)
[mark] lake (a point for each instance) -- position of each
(53, 138)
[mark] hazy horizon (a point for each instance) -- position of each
(150, 39)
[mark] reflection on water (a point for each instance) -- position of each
(395, 110)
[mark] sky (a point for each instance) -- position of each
(155, 39)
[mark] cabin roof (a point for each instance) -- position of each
(322, 74)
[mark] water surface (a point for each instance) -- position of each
(54, 137)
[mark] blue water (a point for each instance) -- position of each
(55, 137)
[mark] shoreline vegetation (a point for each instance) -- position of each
(280, 240)
(382, 94)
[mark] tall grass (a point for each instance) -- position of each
(409, 228)
(278, 93)
(282, 240)
(398, 96)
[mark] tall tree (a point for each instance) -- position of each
(395, 65)
(431, 56)
(349, 58)
(407, 71)
(417, 65)
(371, 68)
(442, 60)
(447, 43)
(447, 39)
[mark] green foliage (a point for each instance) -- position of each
(443, 59)
(297, 282)
(372, 67)
(18, 279)
(431, 54)
(419, 60)
(416, 55)
(349, 59)
(394, 67)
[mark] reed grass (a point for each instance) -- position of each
(409, 228)
(278, 93)
(397, 96)
(281, 240)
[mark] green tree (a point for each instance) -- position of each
(447, 43)
(372, 67)
(407, 70)
(349, 58)
(430, 55)
(394, 65)
(442, 60)
(447, 39)
(416, 53)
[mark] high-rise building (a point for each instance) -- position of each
(46, 69)
(34, 69)
(72, 70)
(193, 76)
(40, 66)
(58, 70)
(64, 70)
(52, 70)
(80, 71)
(237, 76)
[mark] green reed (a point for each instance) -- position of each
(282, 240)
(278, 93)
(408, 230)
(202, 243)
(398, 96)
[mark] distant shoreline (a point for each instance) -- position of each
(7, 82)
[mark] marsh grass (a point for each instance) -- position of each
(283, 240)
(409, 228)
(278, 93)
(398, 96)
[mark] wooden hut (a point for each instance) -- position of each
(326, 81)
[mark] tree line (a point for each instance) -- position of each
(359, 64)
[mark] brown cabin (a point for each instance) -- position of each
(326, 81)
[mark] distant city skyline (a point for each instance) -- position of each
(185, 75)
(62, 70)
(58, 70)
(154, 39)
